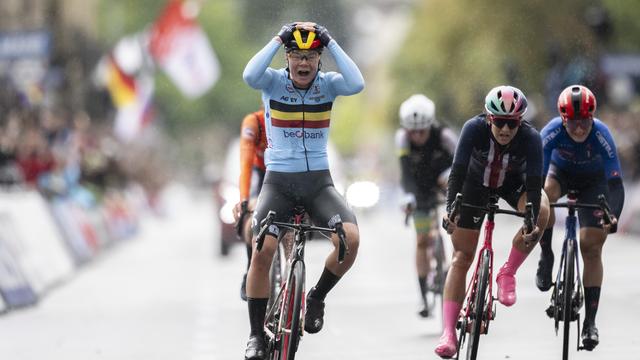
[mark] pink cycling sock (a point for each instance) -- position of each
(450, 312)
(516, 258)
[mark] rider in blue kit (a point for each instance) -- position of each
(580, 155)
(297, 102)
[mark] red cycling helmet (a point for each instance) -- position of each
(576, 102)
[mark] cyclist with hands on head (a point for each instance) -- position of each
(425, 149)
(297, 102)
(497, 153)
(253, 142)
(580, 155)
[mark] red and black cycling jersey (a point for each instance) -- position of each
(480, 159)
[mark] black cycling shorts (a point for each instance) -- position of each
(478, 195)
(588, 186)
(314, 190)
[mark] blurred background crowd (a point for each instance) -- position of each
(70, 71)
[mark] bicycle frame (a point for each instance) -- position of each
(276, 332)
(479, 308)
(284, 320)
(473, 284)
(569, 263)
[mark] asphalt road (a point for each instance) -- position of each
(167, 295)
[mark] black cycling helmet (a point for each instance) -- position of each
(303, 40)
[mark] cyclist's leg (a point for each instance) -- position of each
(424, 223)
(592, 239)
(325, 207)
(257, 179)
(519, 250)
(554, 191)
(465, 240)
(271, 198)
(247, 234)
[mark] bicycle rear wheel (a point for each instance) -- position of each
(567, 296)
(478, 306)
(292, 313)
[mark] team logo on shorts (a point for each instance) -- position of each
(476, 219)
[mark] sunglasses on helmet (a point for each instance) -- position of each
(500, 122)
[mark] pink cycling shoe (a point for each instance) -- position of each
(506, 289)
(447, 346)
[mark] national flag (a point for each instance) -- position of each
(181, 48)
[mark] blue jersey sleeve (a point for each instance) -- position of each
(549, 135)
(257, 73)
(349, 80)
(607, 151)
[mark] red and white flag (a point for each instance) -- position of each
(181, 48)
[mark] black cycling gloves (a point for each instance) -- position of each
(323, 34)
(286, 33)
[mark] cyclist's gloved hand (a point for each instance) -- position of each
(452, 225)
(531, 238)
(237, 210)
(610, 228)
(286, 33)
(323, 34)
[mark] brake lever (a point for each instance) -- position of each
(343, 248)
(264, 226)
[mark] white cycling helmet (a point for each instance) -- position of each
(417, 112)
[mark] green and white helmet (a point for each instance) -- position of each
(506, 101)
(417, 112)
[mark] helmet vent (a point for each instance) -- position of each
(494, 106)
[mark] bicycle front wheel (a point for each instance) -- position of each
(478, 306)
(292, 313)
(276, 273)
(567, 296)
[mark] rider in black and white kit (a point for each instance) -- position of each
(425, 149)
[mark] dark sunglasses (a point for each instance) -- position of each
(576, 123)
(500, 122)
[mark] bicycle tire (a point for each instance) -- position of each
(293, 309)
(567, 297)
(479, 303)
(275, 274)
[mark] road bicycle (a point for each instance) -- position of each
(284, 320)
(567, 297)
(479, 308)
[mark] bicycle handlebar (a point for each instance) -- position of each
(338, 229)
(457, 204)
(602, 205)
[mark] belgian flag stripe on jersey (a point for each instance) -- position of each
(316, 116)
(276, 105)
